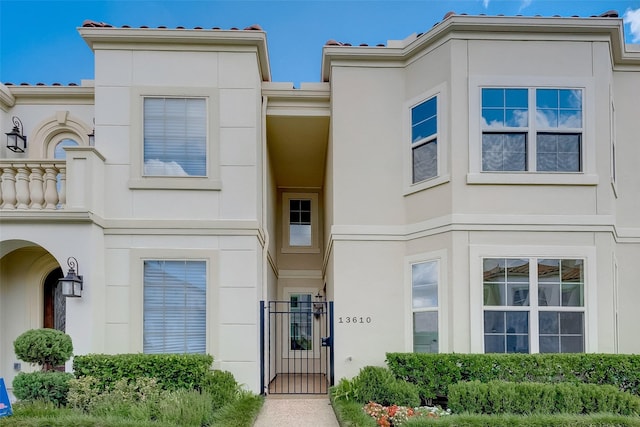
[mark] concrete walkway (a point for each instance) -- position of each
(296, 412)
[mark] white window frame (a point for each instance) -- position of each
(440, 257)
(315, 238)
(136, 289)
(587, 175)
(138, 180)
(590, 308)
(442, 175)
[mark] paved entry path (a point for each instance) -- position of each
(296, 412)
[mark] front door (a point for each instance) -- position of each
(54, 315)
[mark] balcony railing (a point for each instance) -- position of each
(36, 185)
(48, 185)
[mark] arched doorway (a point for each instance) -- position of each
(54, 304)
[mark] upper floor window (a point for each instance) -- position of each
(58, 151)
(300, 223)
(532, 129)
(424, 140)
(175, 137)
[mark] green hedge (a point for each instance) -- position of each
(498, 397)
(173, 371)
(598, 420)
(434, 373)
(49, 386)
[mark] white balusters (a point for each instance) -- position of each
(32, 185)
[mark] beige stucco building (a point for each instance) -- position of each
(469, 189)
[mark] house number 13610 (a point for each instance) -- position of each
(354, 319)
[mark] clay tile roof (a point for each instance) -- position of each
(448, 14)
(363, 44)
(609, 14)
(8, 84)
(24, 84)
(40, 84)
(332, 43)
(254, 27)
(90, 23)
(56, 84)
(73, 84)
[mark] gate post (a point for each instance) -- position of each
(333, 340)
(262, 358)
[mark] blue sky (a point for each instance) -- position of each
(39, 41)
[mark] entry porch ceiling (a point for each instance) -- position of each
(298, 148)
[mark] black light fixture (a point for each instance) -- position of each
(16, 140)
(318, 306)
(92, 135)
(72, 283)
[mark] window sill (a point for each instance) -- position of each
(430, 183)
(299, 250)
(175, 183)
(532, 178)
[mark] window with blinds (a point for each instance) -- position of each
(175, 136)
(174, 306)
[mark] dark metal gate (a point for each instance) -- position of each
(296, 346)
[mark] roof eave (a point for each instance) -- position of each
(112, 38)
(462, 26)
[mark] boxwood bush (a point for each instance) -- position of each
(377, 384)
(49, 386)
(498, 397)
(434, 373)
(172, 371)
(45, 347)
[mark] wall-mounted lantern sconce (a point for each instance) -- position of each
(318, 306)
(72, 284)
(92, 135)
(16, 139)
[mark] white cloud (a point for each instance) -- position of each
(632, 17)
(155, 167)
(524, 4)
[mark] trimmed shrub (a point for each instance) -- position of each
(46, 347)
(172, 371)
(48, 386)
(434, 373)
(497, 397)
(221, 386)
(377, 384)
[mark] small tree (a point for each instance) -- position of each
(46, 347)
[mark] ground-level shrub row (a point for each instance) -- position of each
(596, 420)
(434, 373)
(497, 397)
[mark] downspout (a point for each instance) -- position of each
(265, 225)
(265, 248)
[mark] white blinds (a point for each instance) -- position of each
(175, 137)
(174, 307)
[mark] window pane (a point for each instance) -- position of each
(175, 137)
(558, 152)
(424, 277)
(299, 235)
(425, 161)
(424, 122)
(300, 322)
(514, 273)
(300, 222)
(504, 152)
(494, 322)
(425, 332)
(504, 108)
(515, 339)
(561, 282)
(174, 313)
(58, 152)
(561, 332)
(559, 108)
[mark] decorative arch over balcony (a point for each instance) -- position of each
(48, 133)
